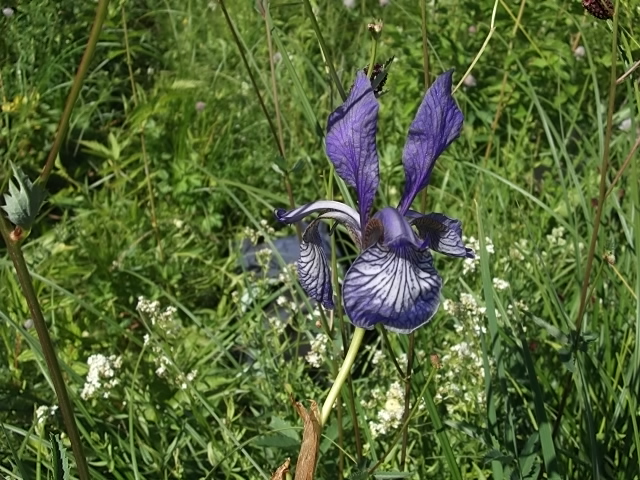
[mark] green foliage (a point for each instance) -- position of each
(170, 163)
(24, 200)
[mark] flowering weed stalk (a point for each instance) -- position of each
(14, 237)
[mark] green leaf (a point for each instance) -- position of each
(24, 200)
(387, 475)
(59, 459)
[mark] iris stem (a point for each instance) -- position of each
(343, 374)
(372, 58)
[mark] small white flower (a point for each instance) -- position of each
(389, 417)
(579, 52)
(349, 3)
(377, 357)
(263, 257)
(318, 348)
(625, 125)
(556, 238)
(500, 284)
(101, 375)
(469, 81)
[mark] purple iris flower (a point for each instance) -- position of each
(393, 280)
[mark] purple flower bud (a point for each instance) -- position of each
(602, 9)
(472, 29)
(8, 12)
(200, 106)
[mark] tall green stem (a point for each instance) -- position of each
(602, 192)
(349, 359)
(63, 125)
(48, 350)
(13, 240)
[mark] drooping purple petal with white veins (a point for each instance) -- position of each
(351, 142)
(395, 286)
(313, 269)
(437, 124)
(441, 234)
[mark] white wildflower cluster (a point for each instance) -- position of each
(461, 378)
(101, 378)
(500, 284)
(519, 250)
(470, 265)
(318, 348)
(389, 417)
(466, 312)
(255, 290)
(519, 306)
(276, 323)
(43, 412)
(315, 315)
(556, 238)
(184, 380)
(163, 324)
(288, 274)
(163, 320)
(377, 357)
(263, 257)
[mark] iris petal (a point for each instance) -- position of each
(292, 216)
(442, 234)
(313, 269)
(396, 286)
(351, 142)
(437, 124)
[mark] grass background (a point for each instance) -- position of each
(152, 197)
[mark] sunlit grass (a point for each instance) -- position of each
(523, 177)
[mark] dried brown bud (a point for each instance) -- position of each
(435, 360)
(602, 9)
(609, 257)
(375, 28)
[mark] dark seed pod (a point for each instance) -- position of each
(602, 9)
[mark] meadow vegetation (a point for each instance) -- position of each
(183, 336)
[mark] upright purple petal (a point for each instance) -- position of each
(395, 286)
(437, 124)
(351, 143)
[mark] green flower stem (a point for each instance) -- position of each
(343, 374)
(63, 125)
(372, 57)
(48, 350)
